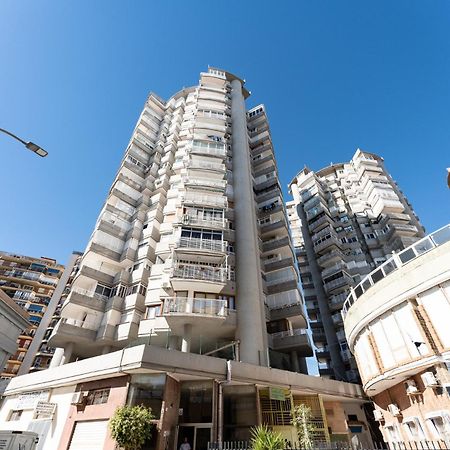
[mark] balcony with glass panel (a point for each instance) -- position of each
(294, 339)
(210, 278)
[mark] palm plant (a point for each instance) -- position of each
(263, 438)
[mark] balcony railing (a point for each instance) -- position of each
(194, 164)
(188, 219)
(90, 294)
(202, 244)
(89, 325)
(207, 182)
(185, 305)
(397, 261)
(287, 333)
(203, 273)
(210, 200)
(219, 152)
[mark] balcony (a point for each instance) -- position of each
(205, 165)
(206, 182)
(295, 339)
(73, 330)
(329, 258)
(184, 306)
(337, 319)
(200, 150)
(188, 219)
(204, 200)
(208, 245)
(203, 273)
(275, 243)
(275, 264)
(338, 283)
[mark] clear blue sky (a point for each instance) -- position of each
(335, 75)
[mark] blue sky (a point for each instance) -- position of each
(334, 75)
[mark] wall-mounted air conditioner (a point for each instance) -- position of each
(429, 379)
(394, 410)
(378, 415)
(411, 387)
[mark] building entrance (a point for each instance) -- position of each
(197, 435)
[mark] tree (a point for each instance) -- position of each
(302, 421)
(262, 438)
(131, 426)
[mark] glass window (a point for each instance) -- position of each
(98, 396)
(196, 401)
(148, 390)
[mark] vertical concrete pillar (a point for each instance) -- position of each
(68, 350)
(186, 339)
(294, 361)
(251, 325)
(57, 358)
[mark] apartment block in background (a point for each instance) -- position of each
(346, 219)
(191, 250)
(30, 282)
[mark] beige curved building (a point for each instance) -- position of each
(397, 325)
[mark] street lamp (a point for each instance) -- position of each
(29, 145)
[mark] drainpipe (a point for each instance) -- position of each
(220, 405)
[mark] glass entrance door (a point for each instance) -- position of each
(197, 436)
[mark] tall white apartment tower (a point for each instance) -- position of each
(191, 250)
(346, 219)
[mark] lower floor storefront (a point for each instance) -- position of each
(194, 398)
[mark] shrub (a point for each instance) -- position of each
(131, 426)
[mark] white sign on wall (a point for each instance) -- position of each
(30, 399)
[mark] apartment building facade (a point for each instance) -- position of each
(346, 219)
(191, 250)
(30, 282)
(396, 323)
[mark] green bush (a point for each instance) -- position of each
(131, 426)
(265, 439)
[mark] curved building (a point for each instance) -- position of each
(191, 250)
(397, 325)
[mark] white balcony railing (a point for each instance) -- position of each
(398, 260)
(89, 325)
(202, 244)
(220, 275)
(210, 200)
(185, 305)
(188, 219)
(195, 164)
(90, 294)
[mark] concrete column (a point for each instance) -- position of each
(57, 358)
(48, 316)
(186, 339)
(68, 350)
(294, 361)
(251, 324)
(106, 349)
(173, 342)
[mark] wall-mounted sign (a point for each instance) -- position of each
(276, 393)
(29, 400)
(44, 410)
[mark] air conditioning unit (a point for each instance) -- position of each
(79, 397)
(394, 410)
(429, 380)
(411, 387)
(378, 415)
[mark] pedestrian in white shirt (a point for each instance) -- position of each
(185, 445)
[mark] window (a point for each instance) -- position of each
(103, 290)
(413, 428)
(392, 433)
(98, 396)
(437, 424)
(15, 414)
(153, 311)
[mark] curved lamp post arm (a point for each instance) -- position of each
(29, 145)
